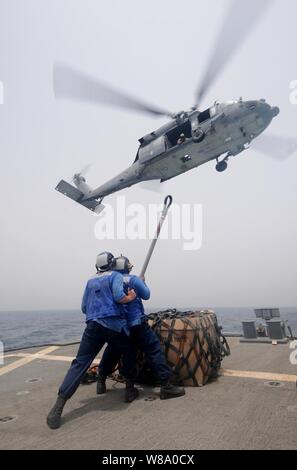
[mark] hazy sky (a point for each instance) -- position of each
(156, 50)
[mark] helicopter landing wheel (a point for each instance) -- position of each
(221, 166)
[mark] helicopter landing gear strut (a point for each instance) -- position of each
(222, 165)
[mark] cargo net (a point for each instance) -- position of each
(193, 345)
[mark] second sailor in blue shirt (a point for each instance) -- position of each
(141, 334)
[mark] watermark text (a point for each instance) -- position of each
(293, 355)
(1, 353)
(293, 94)
(1, 93)
(139, 222)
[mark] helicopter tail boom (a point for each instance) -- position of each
(78, 196)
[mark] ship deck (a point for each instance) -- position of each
(241, 409)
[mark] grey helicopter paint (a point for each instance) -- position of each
(191, 138)
(224, 129)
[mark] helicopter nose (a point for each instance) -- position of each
(266, 112)
(275, 111)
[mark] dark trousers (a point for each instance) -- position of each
(147, 341)
(93, 340)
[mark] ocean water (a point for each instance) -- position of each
(24, 329)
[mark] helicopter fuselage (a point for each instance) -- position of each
(192, 139)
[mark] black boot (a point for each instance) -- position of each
(54, 417)
(131, 392)
(171, 391)
(101, 385)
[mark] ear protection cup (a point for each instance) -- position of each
(105, 261)
(122, 263)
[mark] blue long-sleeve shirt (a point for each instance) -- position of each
(115, 323)
(135, 310)
(140, 288)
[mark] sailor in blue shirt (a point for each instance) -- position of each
(104, 309)
(103, 305)
(142, 335)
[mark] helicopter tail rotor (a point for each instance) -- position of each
(80, 176)
(80, 191)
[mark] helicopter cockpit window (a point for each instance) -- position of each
(204, 116)
(208, 113)
(174, 135)
(151, 150)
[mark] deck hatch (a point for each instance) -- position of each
(33, 380)
(274, 383)
(7, 419)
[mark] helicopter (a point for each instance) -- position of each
(191, 138)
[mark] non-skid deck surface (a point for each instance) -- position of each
(239, 410)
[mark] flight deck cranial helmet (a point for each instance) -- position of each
(122, 264)
(104, 261)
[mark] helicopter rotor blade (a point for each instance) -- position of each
(72, 84)
(152, 185)
(240, 19)
(275, 146)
